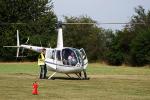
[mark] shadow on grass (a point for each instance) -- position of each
(67, 78)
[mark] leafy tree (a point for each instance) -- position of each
(132, 44)
(105, 40)
(142, 18)
(114, 55)
(140, 49)
(34, 18)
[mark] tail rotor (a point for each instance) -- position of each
(18, 45)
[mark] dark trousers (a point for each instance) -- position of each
(43, 71)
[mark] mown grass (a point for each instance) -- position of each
(96, 68)
(106, 83)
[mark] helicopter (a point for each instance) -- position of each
(56, 59)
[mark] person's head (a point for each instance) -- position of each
(72, 54)
(43, 50)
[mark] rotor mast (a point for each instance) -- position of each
(60, 35)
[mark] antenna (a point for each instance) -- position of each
(40, 42)
(49, 44)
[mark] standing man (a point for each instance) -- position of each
(41, 63)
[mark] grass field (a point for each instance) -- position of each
(106, 83)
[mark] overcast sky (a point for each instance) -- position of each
(100, 10)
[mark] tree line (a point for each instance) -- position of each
(36, 19)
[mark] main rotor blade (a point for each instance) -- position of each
(121, 23)
(102, 23)
(78, 23)
(12, 23)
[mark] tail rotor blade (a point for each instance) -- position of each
(18, 43)
(17, 55)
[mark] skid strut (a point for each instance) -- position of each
(52, 75)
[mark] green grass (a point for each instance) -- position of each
(106, 83)
(117, 70)
(18, 67)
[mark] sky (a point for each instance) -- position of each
(102, 11)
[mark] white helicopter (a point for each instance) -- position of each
(56, 59)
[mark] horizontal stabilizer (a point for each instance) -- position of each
(21, 56)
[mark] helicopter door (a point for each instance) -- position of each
(84, 57)
(50, 58)
(53, 59)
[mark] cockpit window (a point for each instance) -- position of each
(83, 55)
(53, 55)
(58, 55)
(69, 57)
(78, 55)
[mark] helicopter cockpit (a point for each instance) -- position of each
(66, 56)
(70, 56)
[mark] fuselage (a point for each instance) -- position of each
(57, 60)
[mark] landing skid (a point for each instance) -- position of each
(82, 78)
(52, 75)
(79, 76)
